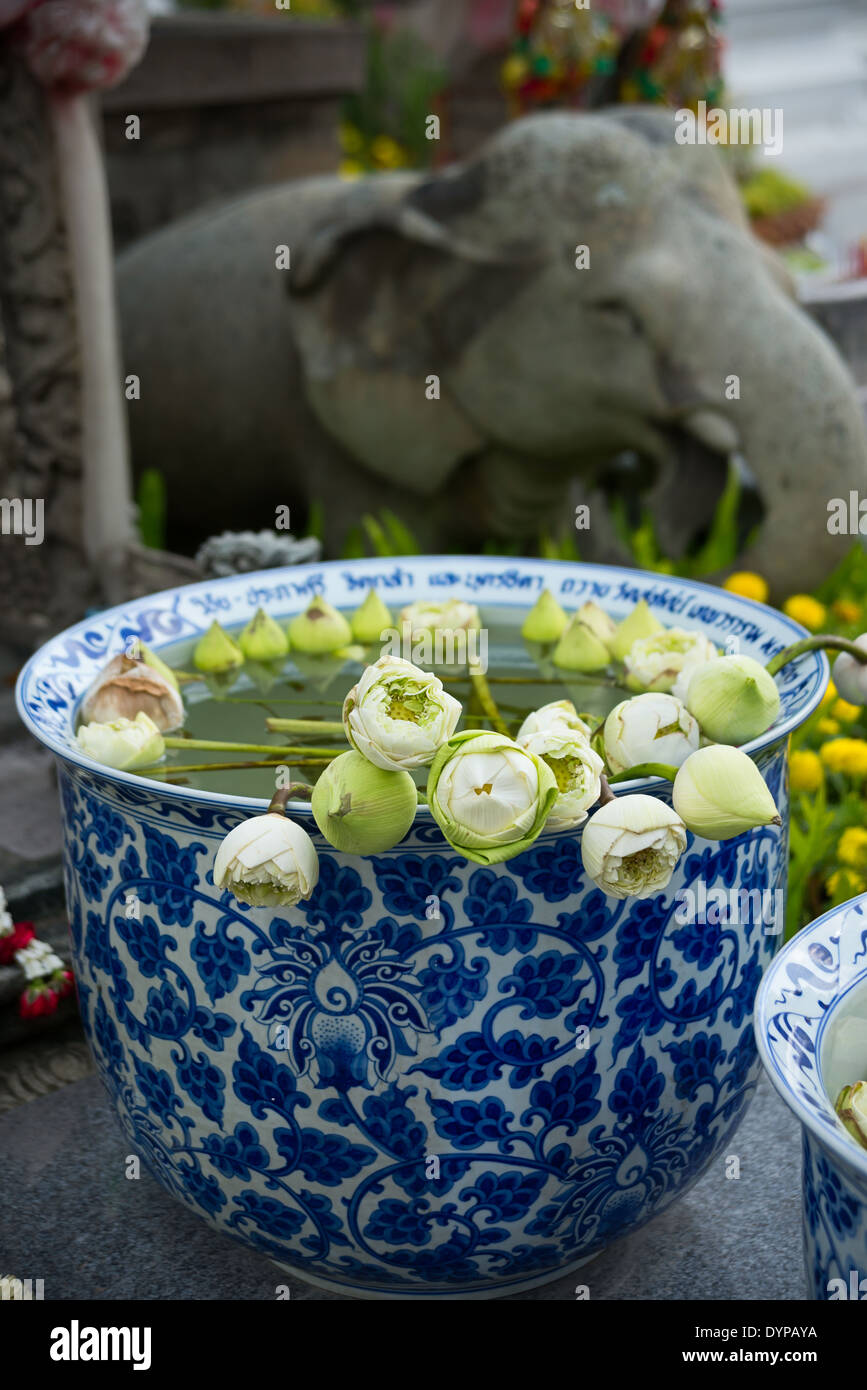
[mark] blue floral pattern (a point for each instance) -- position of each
(404, 1102)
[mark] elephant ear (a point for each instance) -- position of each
(383, 296)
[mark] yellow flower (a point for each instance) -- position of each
(852, 849)
(846, 610)
(387, 152)
(805, 771)
(351, 138)
(845, 712)
(828, 727)
(830, 694)
(748, 585)
(847, 755)
(514, 71)
(844, 881)
(805, 610)
(350, 168)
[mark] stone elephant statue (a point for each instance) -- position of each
(440, 345)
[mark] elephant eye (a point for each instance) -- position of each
(616, 310)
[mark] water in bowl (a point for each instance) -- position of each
(522, 678)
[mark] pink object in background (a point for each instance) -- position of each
(85, 45)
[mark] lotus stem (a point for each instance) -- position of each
(605, 793)
(331, 728)
(645, 770)
(171, 769)
(824, 640)
(220, 746)
(487, 701)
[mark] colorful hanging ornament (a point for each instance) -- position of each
(561, 55)
(676, 60)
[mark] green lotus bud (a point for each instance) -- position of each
(733, 698)
(216, 651)
(639, 623)
(719, 793)
(157, 664)
(320, 628)
(362, 809)
(546, 620)
(263, 639)
(851, 1108)
(600, 623)
(370, 620)
(579, 649)
(489, 797)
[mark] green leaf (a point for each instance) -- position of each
(402, 538)
(376, 535)
(151, 503)
(316, 520)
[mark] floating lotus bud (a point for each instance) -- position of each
(216, 653)
(157, 664)
(630, 846)
(450, 616)
(361, 808)
(654, 663)
(733, 698)
(558, 712)
(319, 629)
(719, 793)
(600, 623)
(398, 716)
(263, 639)
(370, 620)
(546, 620)
(127, 686)
(579, 649)
(577, 770)
(489, 797)
(267, 861)
(850, 675)
(851, 1107)
(639, 623)
(126, 744)
(652, 728)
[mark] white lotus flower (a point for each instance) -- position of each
(576, 768)
(450, 616)
(630, 846)
(126, 744)
(652, 728)
(267, 861)
(558, 712)
(850, 675)
(398, 716)
(655, 662)
(489, 797)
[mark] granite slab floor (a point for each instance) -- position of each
(70, 1216)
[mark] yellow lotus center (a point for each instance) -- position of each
(567, 772)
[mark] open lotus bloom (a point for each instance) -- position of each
(128, 685)
(489, 797)
(398, 716)
(267, 861)
(577, 770)
(651, 728)
(655, 662)
(561, 712)
(630, 846)
(126, 744)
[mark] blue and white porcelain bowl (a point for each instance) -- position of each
(811, 1025)
(467, 1104)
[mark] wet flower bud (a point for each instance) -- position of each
(654, 663)
(398, 715)
(639, 623)
(319, 629)
(128, 685)
(546, 620)
(719, 793)
(363, 809)
(267, 861)
(489, 797)
(370, 620)
(579, 649)
(126, 744)
(558, 712)
(733, 698)
(630, 846)
(263, 639)
(850, 675)
(216, 652)
(652, 728)
(599, 622)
